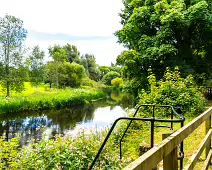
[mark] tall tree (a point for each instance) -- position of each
(91, 68)
(165, 33)
(50, 73)
(59, 56)
(71, 74)
(12, 36)
(36, 66)
(72, 53)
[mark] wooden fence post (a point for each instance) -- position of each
(170, 161)
(207, 128)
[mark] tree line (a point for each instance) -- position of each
(165, 33)
(67, 68)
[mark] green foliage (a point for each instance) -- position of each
(36, 65)
(9, 153)
(72, 52)
(105, 69)
(107, 78)
(68, 53)
(58, 53)
(161, 33)
(62, 153)
(12, 36)
(117, 82)
(57, 99)
(70, 75)
(51, 74)
(91, 83)
(91, 68)
(175, 91)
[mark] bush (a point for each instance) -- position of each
(176, 91)
(91, 83)
(117, 82)
(61, 153)
(110, 76)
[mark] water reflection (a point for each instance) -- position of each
(37, 125)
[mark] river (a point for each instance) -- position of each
(34, 126)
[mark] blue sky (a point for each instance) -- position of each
(88, 24)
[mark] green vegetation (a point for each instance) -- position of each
(36, 66)
(160, 36)
(12, 69)
(108, 77)
(117, 82)
(165, 33)
(175, 91)
(46, 100)
(78, 152)
(60, 153)
(19, 64)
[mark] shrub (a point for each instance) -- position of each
(61, 153)
(117, 82)
(110, 76)
(176, 91)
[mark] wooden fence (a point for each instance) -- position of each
(167, 149)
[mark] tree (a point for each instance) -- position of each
(72, 53)
(91, 68)
(161, 33)
(36, 66)
(58, 53)
(59, 56)
(105, 69)
(71, 74)
(12, 36)
(117, 82)
(68, 53)
(107, 78)
(50, 73)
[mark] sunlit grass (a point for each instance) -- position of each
(44, 98)
(28, 90)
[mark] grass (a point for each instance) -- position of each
(30, 100)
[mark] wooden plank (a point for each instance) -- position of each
(170, 161)
(150, 159)
(207, 161)
(207, 127)
(193, 160)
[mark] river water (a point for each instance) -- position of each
(34, 126)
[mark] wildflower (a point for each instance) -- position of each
(72, 148)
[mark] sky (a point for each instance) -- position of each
(87, 24)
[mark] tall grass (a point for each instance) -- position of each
(45, 100)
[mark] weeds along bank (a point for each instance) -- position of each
(60, 153)
(46, 100)
(79, 152)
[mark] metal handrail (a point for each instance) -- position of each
(152, 120)
(152, 144)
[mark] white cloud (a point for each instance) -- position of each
(73, 17)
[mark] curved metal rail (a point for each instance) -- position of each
(153, 115)
(152, 120)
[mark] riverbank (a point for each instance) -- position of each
(78, 153)
(59, 98)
